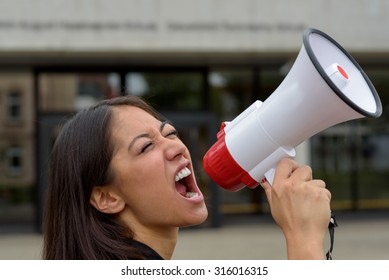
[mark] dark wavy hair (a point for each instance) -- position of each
(80, 159)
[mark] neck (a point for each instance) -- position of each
(162, 241)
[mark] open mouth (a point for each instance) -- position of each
(184, 183)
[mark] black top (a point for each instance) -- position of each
(147, 252)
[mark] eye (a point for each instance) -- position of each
(172, 134)
(146, 147)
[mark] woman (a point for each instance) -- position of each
(121, 184)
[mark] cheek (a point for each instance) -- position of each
(141, 183)
(147, 175)
(150, 207)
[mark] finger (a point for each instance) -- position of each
(321, 184)
(285, 168)
(303, 172)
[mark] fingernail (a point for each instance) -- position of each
(263, 180)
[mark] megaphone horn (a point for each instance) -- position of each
(324, 87)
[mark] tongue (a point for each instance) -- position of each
(181, 189)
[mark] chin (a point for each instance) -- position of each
(197, 218)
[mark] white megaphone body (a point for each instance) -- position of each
(324, 87)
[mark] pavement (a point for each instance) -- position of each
(360, 236)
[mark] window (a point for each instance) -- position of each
(231, 91)
(69, 92)
(168, 90)
(14, 107)
(14, 161)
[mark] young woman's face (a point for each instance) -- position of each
(153, 172)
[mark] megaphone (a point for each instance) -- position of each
(324, 87)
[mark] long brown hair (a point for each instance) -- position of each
(80, 160)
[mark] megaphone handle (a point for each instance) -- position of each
(271, 161)
(266, 168)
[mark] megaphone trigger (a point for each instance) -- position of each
(269, 176)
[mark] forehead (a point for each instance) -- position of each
(132, 118)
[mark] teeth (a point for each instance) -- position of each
(182, 174)
(191, 194)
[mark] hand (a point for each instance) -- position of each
(301, 207)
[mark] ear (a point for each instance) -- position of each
(106, 201)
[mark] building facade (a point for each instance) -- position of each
(200, 63)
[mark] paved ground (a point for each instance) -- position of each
(359, 236)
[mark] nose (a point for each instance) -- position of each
(174, 148)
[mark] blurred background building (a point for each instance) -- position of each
(199, 62)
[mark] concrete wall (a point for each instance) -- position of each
(187, 25)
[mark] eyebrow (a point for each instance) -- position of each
(142, 135)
